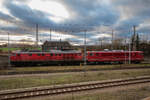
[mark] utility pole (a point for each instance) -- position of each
(85, 47)
(125, 51)
(134, 37)
(112, 46)
(130, 48)
(37, 39)
(50, 35)
(129, 52)
(85, 53)
(60, 48)
(100, 42)
(134, 29)
(8, 45)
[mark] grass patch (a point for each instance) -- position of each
(125, 73)
(34, 81)
(67, 68)
(5, 49)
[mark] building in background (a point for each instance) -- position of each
(56, 45)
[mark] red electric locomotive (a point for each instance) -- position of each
(52, 57)
(114, 56)
(75, 57)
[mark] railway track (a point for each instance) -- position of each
(74, 70)
(71, 88)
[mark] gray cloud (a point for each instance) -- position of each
(14, 30)
(136, 11)
(85, 15)
(90, 13)
(134, 7)
(5, 17)
(27, 15)
(86, 12)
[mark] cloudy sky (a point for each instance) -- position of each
(69, 19)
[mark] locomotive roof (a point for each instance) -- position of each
(53, 51)
(113, 51)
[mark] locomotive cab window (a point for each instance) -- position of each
(141, 54)
(14, 54)
(30, 54)
(38, 54)
(91, 54)
(18, 54)
(103, 54)
(43, 54)
(51, 54)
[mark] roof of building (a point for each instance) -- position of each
(57, 43)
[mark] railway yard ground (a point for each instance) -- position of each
(26, 81)
(131, 92)
(39, 76)
(60, 69)
(136, 92)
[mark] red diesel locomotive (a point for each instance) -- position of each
(75, 57)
